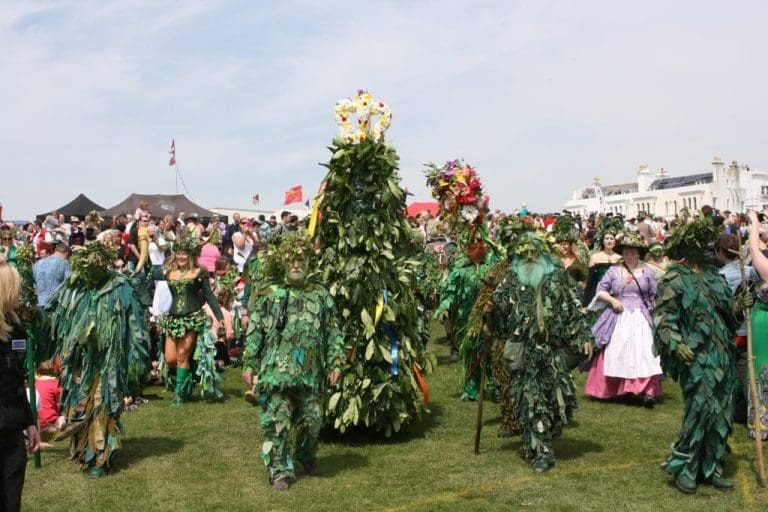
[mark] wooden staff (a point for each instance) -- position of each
(752, 378)
(480, 398)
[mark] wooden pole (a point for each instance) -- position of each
(480, 398)
(752, 377)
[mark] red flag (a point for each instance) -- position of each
(293, 195)
(173, 153)
(256, 199)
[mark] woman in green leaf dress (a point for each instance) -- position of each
(188, 344)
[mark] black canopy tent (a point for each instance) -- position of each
(79, 206)
(159, 205)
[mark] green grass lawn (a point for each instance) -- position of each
(207, 457)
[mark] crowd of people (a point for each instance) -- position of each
(524, 300)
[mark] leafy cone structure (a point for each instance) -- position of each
(368, 261)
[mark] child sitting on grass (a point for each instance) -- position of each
(49, 393)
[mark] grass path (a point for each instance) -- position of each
(206, 457)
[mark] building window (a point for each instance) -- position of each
(695, 206)
(666, 207)
(764, 190)
(675, 202)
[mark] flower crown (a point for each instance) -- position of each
(364, 107)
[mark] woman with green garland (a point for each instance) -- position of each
(186, 322)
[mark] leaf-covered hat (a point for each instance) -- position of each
(563, 229)
(188, 245)
(690, 240)
(631, 239)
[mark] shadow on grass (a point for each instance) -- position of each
(361, 436)
(332, 464)
(445, 360)
(138, 448)
(565, 449)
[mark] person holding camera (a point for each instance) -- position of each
(15, 413)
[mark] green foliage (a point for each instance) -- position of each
(690, 240)
(366, 249)
(25, 259)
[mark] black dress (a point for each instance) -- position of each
(15, 416)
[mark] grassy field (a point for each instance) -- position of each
(206, 457)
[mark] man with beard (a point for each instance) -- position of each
(537, 311)
(103, 341)
(293, 343)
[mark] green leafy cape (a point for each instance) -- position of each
(103, 341)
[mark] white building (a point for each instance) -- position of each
(735, 188)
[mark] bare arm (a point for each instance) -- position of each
(759, 261)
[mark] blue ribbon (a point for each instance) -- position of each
(393, 346)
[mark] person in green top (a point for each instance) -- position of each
(695, 322)
(293, 344)
(186, 323)
(7, 246)
(457, 296)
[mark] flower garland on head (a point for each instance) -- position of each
(364, 107)
(457, 187)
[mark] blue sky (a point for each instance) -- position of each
(539, 96)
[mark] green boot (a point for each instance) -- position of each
(182, 383)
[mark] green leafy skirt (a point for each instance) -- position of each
(203, 365)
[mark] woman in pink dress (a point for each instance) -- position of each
(625, 363)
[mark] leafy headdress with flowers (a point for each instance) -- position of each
(463, 206)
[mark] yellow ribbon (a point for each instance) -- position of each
(313, 218)
(379, 310)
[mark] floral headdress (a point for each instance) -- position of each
(364, 107)
(457, 187)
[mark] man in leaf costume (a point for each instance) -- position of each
(367, 262)
(695, 324)
(464, 208)
(293, 343)
(103, 341)
(537, 311)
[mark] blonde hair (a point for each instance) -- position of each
(10, 288)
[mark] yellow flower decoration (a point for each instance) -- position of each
(364, 107)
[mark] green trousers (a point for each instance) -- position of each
(287, 414)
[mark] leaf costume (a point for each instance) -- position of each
(694, 309)
(293, 342)
(186, 314)
(540, 325)
(367, 263)
(103, 341)
(459, 294)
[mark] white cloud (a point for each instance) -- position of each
(539, 96)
